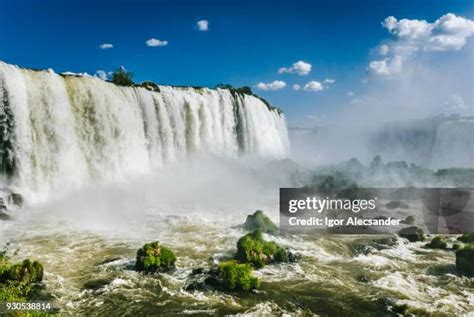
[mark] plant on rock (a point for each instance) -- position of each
(153, 257)
(253, 249)
(260, 221)
(237, 276)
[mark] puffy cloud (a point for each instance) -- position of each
(101, 74)
(202, 25)
(386, 67)
(448, 33)
(313, 86)
(296, 87)
(276, 85)
(106, 46)
(155, 42)
(383, 49)
(301, 68)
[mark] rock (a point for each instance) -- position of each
(260, 221)
(198, 270)
(26, 272)
(467, 238)
(413, 234)
(96, 284)
(15, 199)
(107, 261)
(153, 257)
(437, 243)
(235, 276)
(465, 260)
(4, 216)
(369, 245)
(408, 220)
(456, 246)
(252, 249)
(394, 204)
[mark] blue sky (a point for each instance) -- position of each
(246, 43)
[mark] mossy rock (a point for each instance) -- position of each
(413, 234)
(437, 243)
(465, 260)
(18, 282)
(25, 272)
(153, 257)
(396, 204)
(467, 238)
(237, 276)
(456, 246)
(260, 221)
(252, 249)
(409, 220)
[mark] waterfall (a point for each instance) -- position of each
(60, 132)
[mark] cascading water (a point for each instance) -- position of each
(59, 132)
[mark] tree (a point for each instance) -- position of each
(122, 77)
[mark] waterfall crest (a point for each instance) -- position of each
(60, 131)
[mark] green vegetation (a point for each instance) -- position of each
(437, 243)
(122, 77)
(153, 257)
(149, 85)
(18, 282)
(237, 276)
(260, 221)
(465, 260)
(252, 249)
(467, 238)
(413, 234)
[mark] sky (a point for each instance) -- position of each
(317, 60)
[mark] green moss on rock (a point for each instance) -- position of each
(465, 260)
(259, 221)
(252, 249)
(413, 234)
(153, 257)
(237, 276)
(467, 238)
(437, 243)
(18, 282)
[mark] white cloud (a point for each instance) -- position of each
(350, 93)
(106, 46)
(276, 85)
(448, 33)
(386, 67)
(329, 81)
(383, 50)
(313, 86)
(301, 68)
(156, 42)
(355, 101)
(202, 25)
(101, 74)
(296, 87)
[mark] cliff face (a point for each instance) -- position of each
(66, 130)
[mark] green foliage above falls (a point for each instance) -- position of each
(153, 257)
(253, 249)
(122, 77)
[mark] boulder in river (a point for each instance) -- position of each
(237, 276)
(153, 257)
(260, 221)
(253, 249)
(437, 243)
(413, 234)
(396, 204)
(467, 238)
(465, 260)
